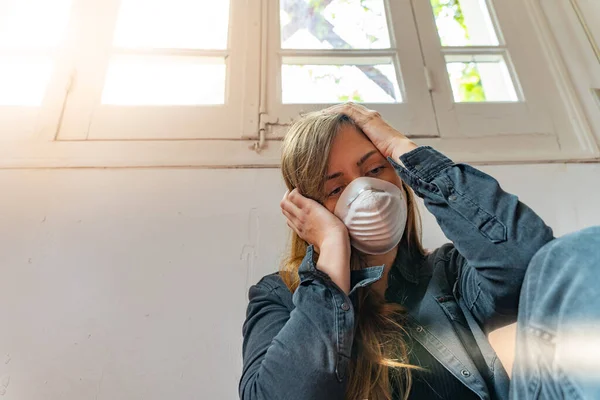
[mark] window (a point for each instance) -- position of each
(455, 67)
(483, 72)
(198, 82)
(31, 38)
(329, 51)
(164, 69)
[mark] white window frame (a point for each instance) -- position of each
(58, 142)
(34, 123)
(538, 128)
(414, 115)
(87, 119)
(576, 30)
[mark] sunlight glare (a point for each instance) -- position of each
(33, 23)
(180, 24)
(134, 80)
(23, 80)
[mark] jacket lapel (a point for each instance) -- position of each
(501, 379)
(424, 293)
(431, 327)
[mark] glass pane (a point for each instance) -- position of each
(306, 83)
(23, 80)
(480, 78)
(26, 23)
(334, 24)
(464, 23)
(135, 80)
(179, 24)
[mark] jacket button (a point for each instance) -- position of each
(464, 372)
(345, 306)
(452, 197)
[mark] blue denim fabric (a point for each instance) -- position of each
(560, 303)
(298, 345)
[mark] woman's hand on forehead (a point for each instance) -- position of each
(389, 141)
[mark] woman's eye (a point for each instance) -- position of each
(335, 191)
(376, 171)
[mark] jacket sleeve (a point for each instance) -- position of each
(494, 235)
(302, 354)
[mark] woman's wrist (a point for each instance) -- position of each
(402, 146)
(334, 260)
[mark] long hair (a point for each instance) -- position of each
(380, 352)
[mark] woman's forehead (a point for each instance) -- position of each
(348, 147)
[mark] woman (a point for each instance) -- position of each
(360, 310)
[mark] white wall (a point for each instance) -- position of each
(131, 284)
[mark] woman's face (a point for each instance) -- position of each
(353, 156)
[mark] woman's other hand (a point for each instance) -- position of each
(389, 141)
(316, 225)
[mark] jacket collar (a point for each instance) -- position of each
(408, 265)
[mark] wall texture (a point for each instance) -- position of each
(131, 284)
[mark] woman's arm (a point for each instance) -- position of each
(494, 234)
(299, 355)
(302, 354)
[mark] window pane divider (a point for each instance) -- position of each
(340, 60)
(474, 50)
(334, 53)
(172, 52)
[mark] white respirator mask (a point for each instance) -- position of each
(375, 213)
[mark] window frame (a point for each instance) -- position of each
(578, 43)
(544, 127)
(86, 119)
(41, 149)
(472, 119)
(33, 123)
(414, 115)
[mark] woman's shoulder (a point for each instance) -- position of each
(271, 281)
(442, 254)
(273, 286)
(445, 261)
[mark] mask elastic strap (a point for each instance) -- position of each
(361, 192)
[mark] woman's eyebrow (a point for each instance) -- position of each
(365, 157)
(333, 176)
(359, 163)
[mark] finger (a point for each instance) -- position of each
(291, 225)
(355, 112)
(288, 205)
(298, 200)
(288, 216)
(343, 108)
(349, 107)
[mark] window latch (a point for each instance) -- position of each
(428, 79)
(264, 121)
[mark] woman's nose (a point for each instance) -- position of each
(354, 175)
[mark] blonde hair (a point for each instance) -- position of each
(379, 353)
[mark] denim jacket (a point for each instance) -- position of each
(298, 345)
